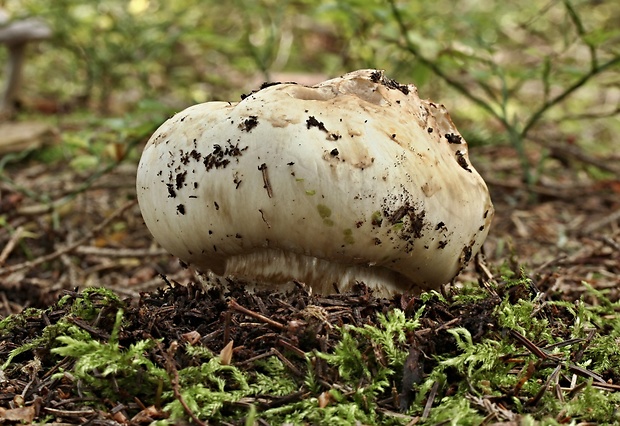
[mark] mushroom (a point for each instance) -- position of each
(354, 179)
(16, 35)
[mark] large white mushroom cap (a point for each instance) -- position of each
(355, 179)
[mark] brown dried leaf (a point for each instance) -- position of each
(191, 337)
(324, 399)
(21, 414)
(148, 415)
(226, 354)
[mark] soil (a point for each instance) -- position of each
(59, 237)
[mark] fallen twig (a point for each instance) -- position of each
(120, 252)
(6, 251)
(486, 278)
(558, 193)
(566, 151)
(32, 263)
(431, 399)
(237, 307)
(174, 380)
(541, 392)
(607, 220)
(531, 346)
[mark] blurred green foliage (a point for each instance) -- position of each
(506, 69)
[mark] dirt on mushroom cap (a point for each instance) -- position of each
(355, 178)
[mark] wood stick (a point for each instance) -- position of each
(32, 263)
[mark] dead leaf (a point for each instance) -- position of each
(324, 399)
(226, 354)
(20, 136)
(21, 414)
(191, 337)
(148, 415)
(120, 418)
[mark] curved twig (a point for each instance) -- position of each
(32, 263)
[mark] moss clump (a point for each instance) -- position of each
(457, 358)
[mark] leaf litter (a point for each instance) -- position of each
(302, 358)
(531, 335)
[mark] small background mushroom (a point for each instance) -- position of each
(354, 179)
(16, 35)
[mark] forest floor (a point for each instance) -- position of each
(561, 233)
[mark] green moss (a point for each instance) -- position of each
(47, 339)
(87, 306)
(368, 360)
(389, 338)
(272, 378)
(364, 367)
(518, 316)
(96, 363)
(92, 299)
(592, 405)
(12, 321)
(455, 411)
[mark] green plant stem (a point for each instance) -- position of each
(516, 137)
(536, 116)
(574, 16)
(45, 199)
(461, 88)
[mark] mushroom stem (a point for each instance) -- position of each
(14, 67)
(266, 267)
(16, 36)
